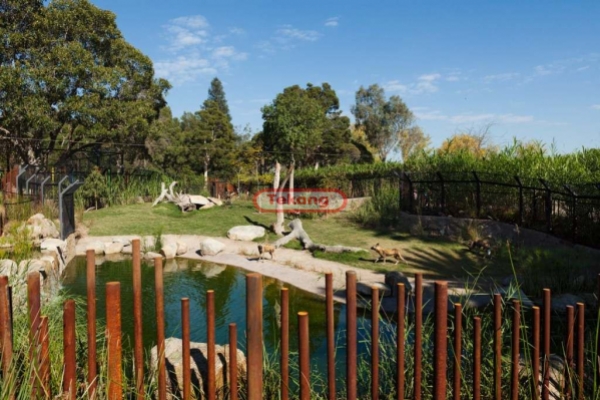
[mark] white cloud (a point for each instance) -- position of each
(194, 51)
(237, 31)
(582, 68)
(266, 46)
(596, 106)
(507, 76)
(332, 22)
(185, 32)
(192, 21)
(470, 118)
(453, 78)
(424, 84)
(184, 69)
(229, 52)
(288, 31)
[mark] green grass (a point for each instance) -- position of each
(435, 257)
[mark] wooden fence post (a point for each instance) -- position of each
(114, 341)
(254, 326)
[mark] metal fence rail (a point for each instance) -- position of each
(444, 348)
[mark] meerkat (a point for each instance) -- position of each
(385, 253)
(266, 248)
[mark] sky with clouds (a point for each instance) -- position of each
(531, 69)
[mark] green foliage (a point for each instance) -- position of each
(94, 190)
(216, 93)
(292, 126)
(383, 120)
(15, 243)
(158, 240)
(381, 210)
(67, 74)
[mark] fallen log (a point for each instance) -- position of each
(298, 233)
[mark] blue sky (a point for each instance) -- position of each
(532, 69)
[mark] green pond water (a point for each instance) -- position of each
(187, 278)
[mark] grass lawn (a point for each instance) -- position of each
(435, 257)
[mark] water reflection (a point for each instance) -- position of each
(187, 278)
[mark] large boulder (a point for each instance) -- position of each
(182, 248)
(113, 248)
(53, 245)
(393, 278)
(559, 303)
(150, 256)
(97, 246)
(169, 250)
(211, 247)
(40, 227)
(8, 267)
(246, 232)
(366, 288)
(198, 364)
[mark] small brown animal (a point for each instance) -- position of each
(266, 248)
(481, 245)
(385, 253)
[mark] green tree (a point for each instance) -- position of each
(382, 120)
(216, 93)
(68, 76)
(94, 189)
(292, 127)
(336, 143)
(413, 140)
(166, 145)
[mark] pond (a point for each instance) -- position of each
(188, 278)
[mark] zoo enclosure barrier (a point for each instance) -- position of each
(26, 187)
(441, 349)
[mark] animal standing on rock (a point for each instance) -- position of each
(265, 248)
(385, 253)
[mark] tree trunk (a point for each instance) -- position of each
(291, 186)
(299, 233)
(205, 176)
(278, 225)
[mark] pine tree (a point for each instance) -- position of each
(217, 94)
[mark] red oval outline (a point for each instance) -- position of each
(338, 191)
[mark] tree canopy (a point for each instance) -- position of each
(383, 120)
(70, 80)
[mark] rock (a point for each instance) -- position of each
(123, 241)
(40, 227)
(211, 247)
(198, 364)
(49, 262)
(217, 202)
(517, 295)
(198, 200)
(365, 288)
(53, 244)
(393, 278)
(510, 280)
(150, 256)
(97, 246)
(169, 250)
(559, 303)
(127, 249)
(27, 266)
(246, 232)
(8, 267)
(113, 248)
(99, 260)
(182, 248)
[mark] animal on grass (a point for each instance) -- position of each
(385, 253)
(481, 245)
(264, 249)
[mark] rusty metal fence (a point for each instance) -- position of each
(443, 348)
